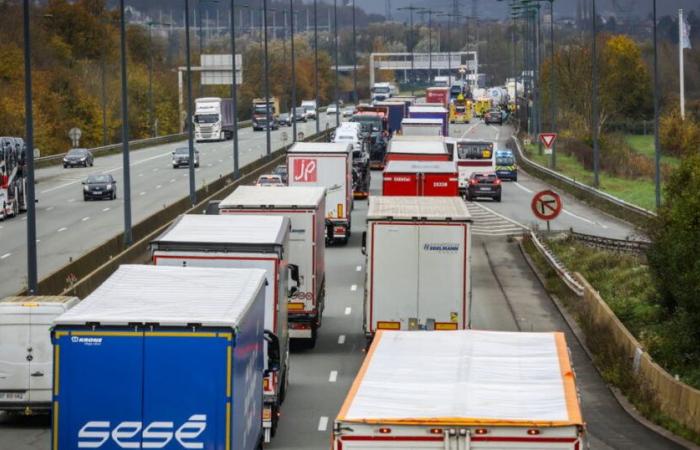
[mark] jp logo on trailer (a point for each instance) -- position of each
(305, 170)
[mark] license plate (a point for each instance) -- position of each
(484, 188)
(12, 396)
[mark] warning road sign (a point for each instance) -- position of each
(547, 140)
(546, 205)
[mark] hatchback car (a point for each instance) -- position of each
(269, 180)
(285, 119)
(181, 157)
(78, 157)
(493, 116)
(484, 184)
(101, 186)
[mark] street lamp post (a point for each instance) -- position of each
(657, 146)
(430, 13)
(32, 277)
(594, 100)
(294, 74)
(354, 56)
(188, 119)
(318, 119)
(125, 128)
(335, 45)
(234, 92)
(410, 10)
(266, 81)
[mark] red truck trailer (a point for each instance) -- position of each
(417, 148)
(439, 95)
(421, 178)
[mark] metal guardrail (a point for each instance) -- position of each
(624, 245)
(633, 211)
(557, 265)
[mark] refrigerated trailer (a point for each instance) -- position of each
(421, 178)
(162, 357)
(328, 165)
(431, 111)
(213, 119)
(463, 390)
(418, 264)
(305, 208)
(421, 127)
(242, 242)
(417, 148)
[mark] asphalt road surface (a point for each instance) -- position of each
(506, 296)
(68, 227)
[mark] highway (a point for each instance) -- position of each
(506, 296)
(67, 226)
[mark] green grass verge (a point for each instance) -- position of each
(639, 192)
(644, 145)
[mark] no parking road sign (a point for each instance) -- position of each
(546, 205)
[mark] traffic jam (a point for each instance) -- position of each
(194, 349)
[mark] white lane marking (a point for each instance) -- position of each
(353, 287)
(62, 229)
(142, 193)
(105, 209)
(172, 180)
(159, 186)
(565, 211)
(515, 222)
(85, 219)
(155, 169)
(1, 227)
(6, 255)
(210, 165)
(71, 200)
(49, 208)
(358, 268)
(221, 160)
(471, 127)
(24, 218)
(322, 423)
(333, 377)
(140, 174)
(348, 310)
(529, 191)
(38, 240)
(341, 339)
(185, 174)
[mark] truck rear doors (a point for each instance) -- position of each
(14, 367)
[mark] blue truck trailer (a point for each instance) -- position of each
(397, 111)
(427, 111)
(162, 357)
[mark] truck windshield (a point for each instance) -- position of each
(367, 123)
(206, 118)
(261, 109)
(381, 90)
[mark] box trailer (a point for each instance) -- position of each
(305, 208)
(213, 119)
(421, 127)
(426, 111)
(328, 165)
(463, 390)
(162, 357)
(420, 178)
(418, 264)
(397, 110)
(242, 242)
(26, 356)
(417, 148)
(438, 96)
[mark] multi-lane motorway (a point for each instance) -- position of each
(506, 296)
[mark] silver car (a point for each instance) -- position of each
(181, 157)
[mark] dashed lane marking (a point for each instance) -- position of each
(105, 209)
(569, 213)
(353, 287)
(348, 310)
(520, 186)
(142, 193)
(358, 268)
(85, 219)
(159, 186)
(6, 255)
(322, 423)
(49, 208)
(333, 377)
(62, 229)
(341, 339)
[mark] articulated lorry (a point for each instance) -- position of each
(162, 357)
(306, 209)
(417, 148)
(421, 178)
(375, 132)
(259, 117)
(463, 390)
(428, 111)
(13, 183)
(242, 242)
(383, 91)
(213, 119)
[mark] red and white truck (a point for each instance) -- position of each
(417, 148)
(304, 206)
(463, 390)
(418, 264)
(421, 178)
(438, 95)
(243, 242)
(328, 165)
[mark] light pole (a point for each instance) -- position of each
(318, 118)
(234, 92)
(594, 100)
(190, 134)
(266, 81)
(32, 277)
(354, 56)
(294, 74)
(125, 128)
(430, 13)
(335, 45)
(410, 10)
(657, 146)
(151, 121)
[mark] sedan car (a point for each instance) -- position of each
(100, 186)
(78, 157)
(493, 116)
(332, 108)
(181, 157)
(484, 184)
(300, 114)
(269, 180)
(285, 119)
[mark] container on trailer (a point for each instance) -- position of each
(431, 112)
(466, 390)
(421, 127)
(438, 95)
(397, 110)
(162, 357)
(417, 148)
(327, 165)
(420, 178)
(242, 242)
(305, 207)
(26, 356)
(418, 263)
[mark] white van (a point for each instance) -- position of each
(26, 354)
(348, 135)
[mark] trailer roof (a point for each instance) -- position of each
(320, 147)
(410, 208)
(169, 296)
(418, 146)
(225, 229)
(35, 300)
(465, 377)
(420, 167)
(426, 107)
(274, 197)
(421, 121)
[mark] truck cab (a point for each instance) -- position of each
(259, 118)
(213, 119)
(381, 91)
(309, 107)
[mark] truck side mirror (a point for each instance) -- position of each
(294, 274)
(273, 350)
(364, 243)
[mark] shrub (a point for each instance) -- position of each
(679, 137)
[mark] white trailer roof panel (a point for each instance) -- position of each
(418, 146)
(420, 121)
(320, 147)
(226, 229)
(169, 296)
(420, 167)
(465, 377)
(410, 208)
(426, 108)
(274, 196)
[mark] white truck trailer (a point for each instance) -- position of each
(243, 242)
(305, 207)
(418, 264)
(463, 390)
(328, 165)
(213, 119)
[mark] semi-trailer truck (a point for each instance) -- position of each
(421, 178)
(13, 175)
(431, 112)
(305, 207)
(162, 357)
(242, 242)
(417, 148)
(418, 264)
(259, 118)
(463, 390)
(213, 119)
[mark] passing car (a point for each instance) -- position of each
(100, 186)
(348, 111)
(300, 115)
(285, 119)
(270, 180)
(332, 109)
(484, 184)
(281, 170)
(493, 116)
(181, 157)
(78, 157)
